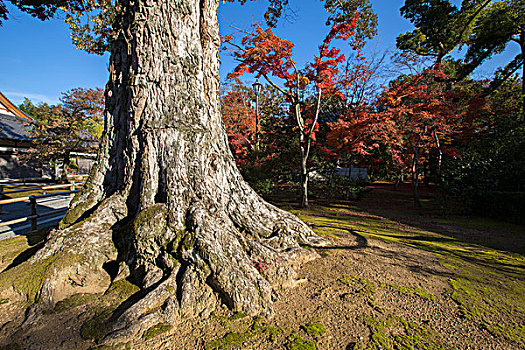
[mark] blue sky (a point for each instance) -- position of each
(39, 61)
(306, 29)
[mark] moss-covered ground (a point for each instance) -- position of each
(256, 332)
(483, 256)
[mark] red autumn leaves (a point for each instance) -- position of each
(416, 115)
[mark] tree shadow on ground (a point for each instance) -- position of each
(35, 240)
(413, 263)
(397, 205)
(362, 241)
(390, 215)
(404, 260)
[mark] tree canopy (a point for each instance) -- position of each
(91, 21)
(484, 27)
(73, 125)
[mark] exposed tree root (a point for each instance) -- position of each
(184, 275)
(212, 262)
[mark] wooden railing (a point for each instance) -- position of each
(33, 201)
(25, 181)
(44, 189)
(30, 180)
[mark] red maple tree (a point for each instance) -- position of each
(238, 116)
(416, 120)
(264, 54)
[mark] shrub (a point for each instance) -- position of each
(506, 206)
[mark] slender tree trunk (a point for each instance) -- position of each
(303, 151)
(399, 179)
(306, 144)
(65, 166)
(304, 172)
(304, 182)
(415, 178)
(54, 171)
(164, 201)
(440, 155)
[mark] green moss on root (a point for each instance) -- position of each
(75, 301)
(151, 222)
(97, 327)
(156, 330)
(27, 279)
(121, 290)
(73, 214)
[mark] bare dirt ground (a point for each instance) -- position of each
(396, 278)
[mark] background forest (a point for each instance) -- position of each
(415, 115)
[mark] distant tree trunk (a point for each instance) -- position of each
(66, 160)
(399, 179)
(305, 143)
(522, 46)
(54, 170)
(415, 178)
(304, 172)
(523, 83)
(165, 201)
(304, 188)
(304, 150)
(440, 154)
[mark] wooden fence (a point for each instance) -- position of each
(30, 180)
(33, 201)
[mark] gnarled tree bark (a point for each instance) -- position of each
(165, 201)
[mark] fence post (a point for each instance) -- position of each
(34, 222)
(72, 188)
(1, 196)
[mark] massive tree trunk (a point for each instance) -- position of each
(165, 204)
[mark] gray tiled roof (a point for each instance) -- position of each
(14, 128)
